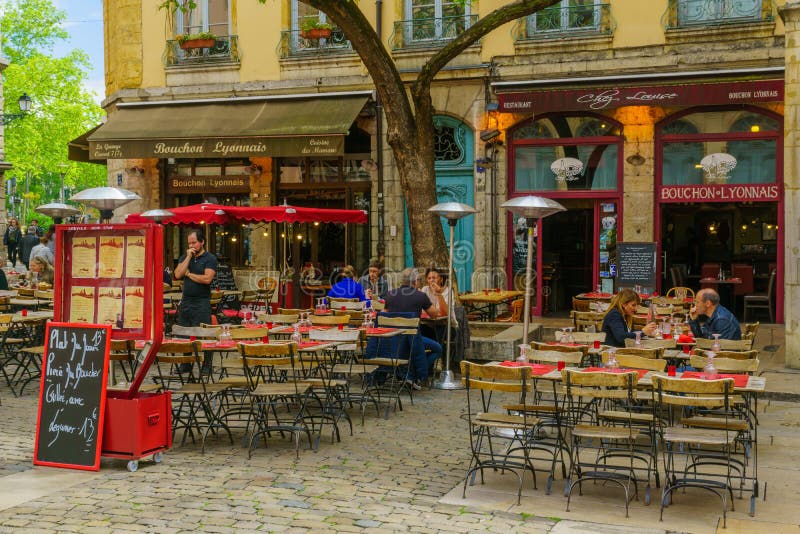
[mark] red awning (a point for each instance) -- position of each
(219, 214)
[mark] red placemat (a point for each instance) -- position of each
(537, 369)
(380, 330)
(640, 372)
(596, 295)
(685, 339)
(739, 381)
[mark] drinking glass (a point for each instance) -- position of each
(715, 346)
(638, 342)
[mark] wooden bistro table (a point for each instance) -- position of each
(488, 299)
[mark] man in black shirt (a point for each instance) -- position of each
(197, 267)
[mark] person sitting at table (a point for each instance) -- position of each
(438, 288)
(45, 271)
(3, 280)
(708, 317)
(347, 287)
(618, 320)
(374, 282)
(408, 299)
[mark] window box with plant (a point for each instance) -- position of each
(314, 29)
(196, 40)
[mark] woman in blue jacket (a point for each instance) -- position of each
(347, 287)
(618, 321)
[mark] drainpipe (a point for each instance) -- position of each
(379, 145)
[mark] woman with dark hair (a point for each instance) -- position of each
(347, 287)
(618, 321)
(11, 239)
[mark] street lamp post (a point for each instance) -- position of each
(532, 208)
(452, 211)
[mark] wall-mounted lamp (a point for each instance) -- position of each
(24, 103)
(488, 135)
(254, 169)
(635, 159)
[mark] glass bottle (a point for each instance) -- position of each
(715, 347)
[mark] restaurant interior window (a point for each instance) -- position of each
(592, 140)
(751, 139)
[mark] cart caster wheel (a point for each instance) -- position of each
(133, 466)
(549, 485)
(647, 496)
(158, 457)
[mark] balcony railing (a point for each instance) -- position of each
(294, 43)
(427, 33)
(225, 50)
(693, 13)
(558, 22)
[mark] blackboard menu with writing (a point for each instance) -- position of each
(72, 396)
(224, 278)
(636, 265)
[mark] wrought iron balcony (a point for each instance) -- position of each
(225, 50)
(558, 22)
(427, 33)
(693, 13)
(297, 43)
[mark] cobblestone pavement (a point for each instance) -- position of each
(388, 476)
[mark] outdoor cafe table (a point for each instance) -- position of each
(489, 299)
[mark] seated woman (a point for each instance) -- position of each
(437, 286)
(41, 266)
(619, 318)
(347, 287)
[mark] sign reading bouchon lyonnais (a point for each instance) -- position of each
(720, 193)
(208, 184)
(322, 145)
(598, 98)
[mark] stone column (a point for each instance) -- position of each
(790, 13)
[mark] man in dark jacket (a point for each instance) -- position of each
(29, 240)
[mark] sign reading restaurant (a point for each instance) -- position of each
(327, 145)
(720, 193)
(599, 98)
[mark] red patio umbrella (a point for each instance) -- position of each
(189, 215)
(301, 214)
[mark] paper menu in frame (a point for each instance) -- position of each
(109, 305)
(112, 251)
(81, 304)
(84, 257)
(134, 307)
(134, 261)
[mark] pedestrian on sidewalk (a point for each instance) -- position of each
(11, 239)
(29, 240)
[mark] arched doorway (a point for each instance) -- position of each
(454, 153)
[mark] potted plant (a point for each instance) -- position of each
(315, 29)
(196, 40)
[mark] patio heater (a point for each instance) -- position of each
(452, 211)
(105, 199)
(58, 210)
(532, 208)
(157, 215)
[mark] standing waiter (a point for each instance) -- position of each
(198, 267)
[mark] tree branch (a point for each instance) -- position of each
(498, 17)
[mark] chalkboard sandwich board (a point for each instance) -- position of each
(72, 397)
(636, 265)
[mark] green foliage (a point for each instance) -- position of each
(315, 24)
(195, 36)
(62, 109)
(172, 6)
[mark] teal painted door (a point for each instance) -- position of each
(454, 146)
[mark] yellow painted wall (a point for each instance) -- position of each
(156, 33)
(638, 23)
(499, 42)
(259, 28)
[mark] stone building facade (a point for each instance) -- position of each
(641, 94)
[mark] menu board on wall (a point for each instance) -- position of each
(72, 396)
(636, 265)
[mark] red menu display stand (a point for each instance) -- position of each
(112, 274)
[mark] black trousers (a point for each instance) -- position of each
(194, 310)
(12, 254)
